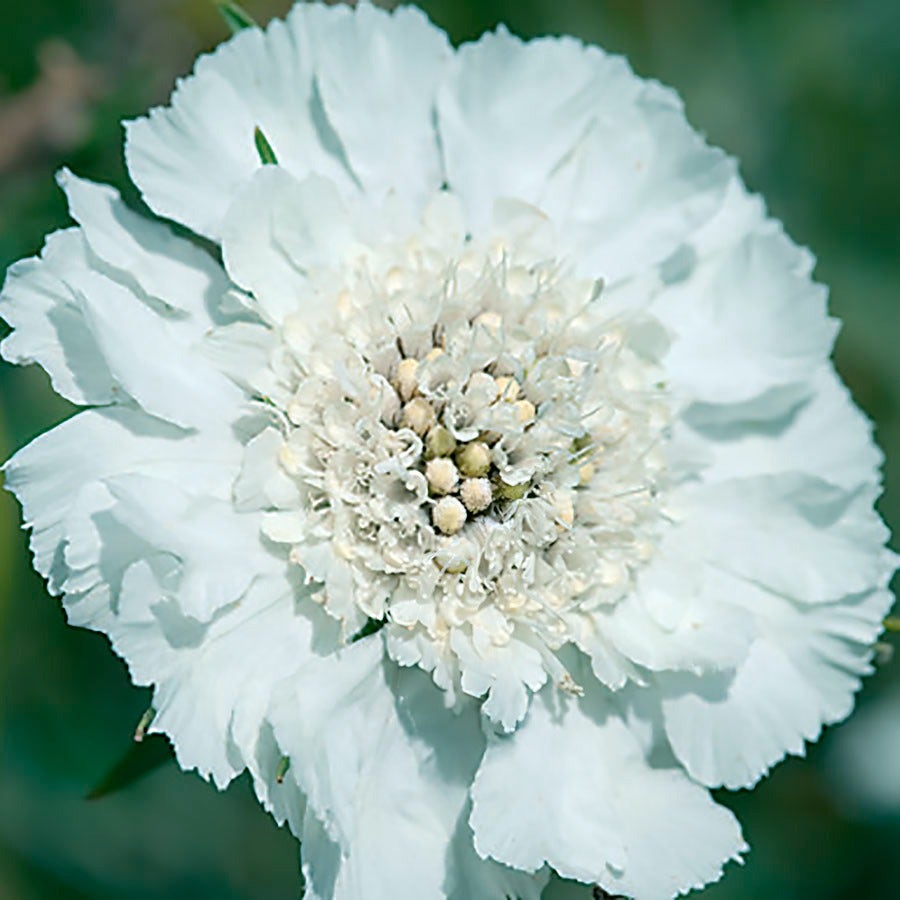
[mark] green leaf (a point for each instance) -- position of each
(235, 17)
(264, 148)
(371, 627)
(141, 758)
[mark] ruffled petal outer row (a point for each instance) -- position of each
(593, 808)
(130, 503)
(340, 93)
(387, 769)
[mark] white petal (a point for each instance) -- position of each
(144, 253)
(278, 233)
(190, 159)
(377, 74)
(51, 473)
(329, 876)
(49, 324)
(321, 858)
(219, 551)
(148, 358)
(471, 876)
(509, 112)
(136, 555)
(389, 799)
(793, 533)
(385, 767)
(242, 351)
(675, 617)
(572, 788)
(507, 674)
(825, 435)
(262, 483)
(746, 321)
(570, 128)
(636, 186)
(612, 668)
(800, 674)
(103, 339)
(213, 683)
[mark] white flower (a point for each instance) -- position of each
(501, 356)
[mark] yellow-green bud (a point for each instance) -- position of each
(512, 491)
(439, 442)
(474, 460)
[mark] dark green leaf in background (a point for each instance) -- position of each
(140, 759)
(235, 18)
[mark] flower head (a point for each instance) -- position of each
(471, 442)
(495, 474)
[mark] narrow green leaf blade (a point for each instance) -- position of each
(235, 18)
(264, 148)
(141, 758)
(372, 626)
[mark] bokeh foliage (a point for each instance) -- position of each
(805, 92)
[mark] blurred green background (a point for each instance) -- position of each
(805, 92)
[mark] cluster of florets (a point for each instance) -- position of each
(474, 445)
(462, 474)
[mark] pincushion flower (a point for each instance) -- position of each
(491, 471)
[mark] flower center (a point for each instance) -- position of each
(459, 462)
(475, 443)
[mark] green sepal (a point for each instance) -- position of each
(370, 628)
(264, 148)
(235, 17)
(141, 758)
(146, 721)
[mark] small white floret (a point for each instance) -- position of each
(490, 321)
(442, 475)
(508, 388)
(448, 515)
(406, 380)
(564, 509)
(476, 494)
(418, 415)
(525, 411)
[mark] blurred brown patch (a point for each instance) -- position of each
(55, 113)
